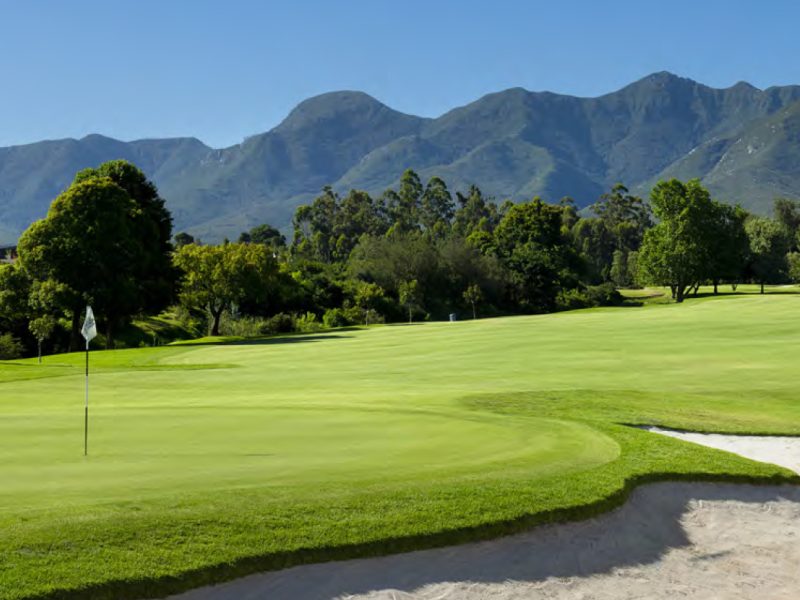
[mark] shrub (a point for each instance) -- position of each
(793, 260)
(280, 323)
(604, 294)
(335, 317)
(10, 347)
(572, 299)
(241, 326)
(307, 323)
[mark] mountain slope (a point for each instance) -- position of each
(741, 141)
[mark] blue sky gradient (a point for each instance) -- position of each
(223, 70)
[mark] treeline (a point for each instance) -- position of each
(414, 252)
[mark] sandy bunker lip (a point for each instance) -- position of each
(696, 539)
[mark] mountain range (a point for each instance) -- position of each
(743, 142)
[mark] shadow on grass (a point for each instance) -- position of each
(291, 338)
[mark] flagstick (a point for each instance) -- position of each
(89, 332)
(86, 407)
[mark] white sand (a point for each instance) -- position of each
(687, 540)
(783, 451)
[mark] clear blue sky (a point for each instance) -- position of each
(223, 70)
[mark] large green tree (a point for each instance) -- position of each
(89, 243)
(676, 252)
(530, 241)
(216, 278)
(151, 225)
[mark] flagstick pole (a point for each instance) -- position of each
(86, 407)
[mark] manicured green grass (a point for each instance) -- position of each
(209, 461)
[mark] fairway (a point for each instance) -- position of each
(208, 461)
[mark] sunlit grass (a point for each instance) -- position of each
(211, 460)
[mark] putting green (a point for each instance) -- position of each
(209, 461)
(148, 453)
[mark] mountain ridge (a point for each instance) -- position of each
(513, 143)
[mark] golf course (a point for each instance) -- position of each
(218, 458)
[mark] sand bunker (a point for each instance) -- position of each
(693, 540)
(783, 451)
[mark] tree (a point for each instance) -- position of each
(367, 296)
(14, 292)
(475, 213)
(215, 278)
(106, 241)
(409, 296)
(596, 245)
(437, 208)
(151, 227)
(264, 234)
(89, 243)
(728, 244)
(540, 259)
(619, 269)
(787, 213)
(793, 264)
(473, 295)
(42, 328)
(618, 229)
(676, 251)
(768, 247)
(625, 216)
(183, 239)
(404, 205)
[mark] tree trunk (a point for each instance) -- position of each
(674, 290)
(410, 315)
(40, 350)
(474, 313)
(679, 294)
(715, 287)
(762, 287)
(216, 315)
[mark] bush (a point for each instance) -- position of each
(604, 294)
(336, 317)
(572, 299)
(10, 347)
(793, 260)
(375, 318)
(307, 323)
(280, 323)
(241, 326)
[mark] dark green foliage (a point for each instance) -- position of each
(696, 240)
(183, 239)
(280, 323)
(530, 243)
(768, 247)
(10, 347)
(106, 242)
(604, 294)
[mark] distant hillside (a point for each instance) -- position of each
(743, 142)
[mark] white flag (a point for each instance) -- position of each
(89, 329)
